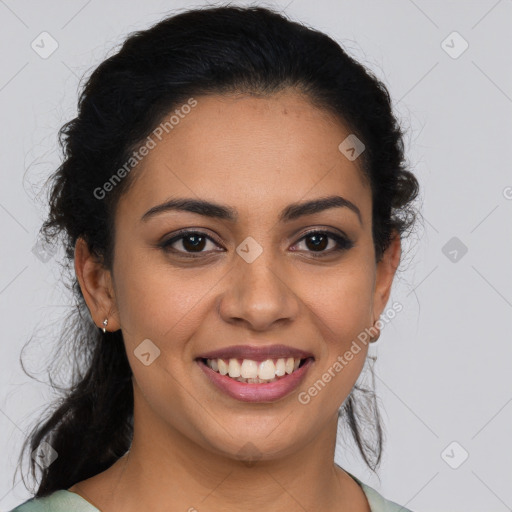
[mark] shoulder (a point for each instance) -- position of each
(58, 501)
(377, 502)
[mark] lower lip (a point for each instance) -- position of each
(246, 392)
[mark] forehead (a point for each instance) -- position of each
(246, 151)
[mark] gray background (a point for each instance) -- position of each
(443, 369)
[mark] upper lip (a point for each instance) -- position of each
(256, 353)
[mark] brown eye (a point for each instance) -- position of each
(191, 242)
(318, 241)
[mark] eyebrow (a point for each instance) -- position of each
(224, 212)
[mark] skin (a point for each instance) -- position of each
(257, 155)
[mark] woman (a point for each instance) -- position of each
(232, 201)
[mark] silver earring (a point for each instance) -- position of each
(105, 322)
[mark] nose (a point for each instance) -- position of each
(259, 294)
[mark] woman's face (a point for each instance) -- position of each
(252, 280)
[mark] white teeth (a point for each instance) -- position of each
(280, 367)
(234, 368)
(249, 369)
(223, 367)
(267, 369)
(253, 371)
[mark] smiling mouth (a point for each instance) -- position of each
(255, 372)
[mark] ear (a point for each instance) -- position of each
(96, 284)
(386, 269)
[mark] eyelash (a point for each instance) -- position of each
(343, 243)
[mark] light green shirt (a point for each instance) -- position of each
(67, 501)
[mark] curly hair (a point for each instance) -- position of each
(214, 50)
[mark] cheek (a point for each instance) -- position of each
(341, 312)
(158, 311)
(342, 304)
(341, 358)
(160, 303)
(146, 293)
